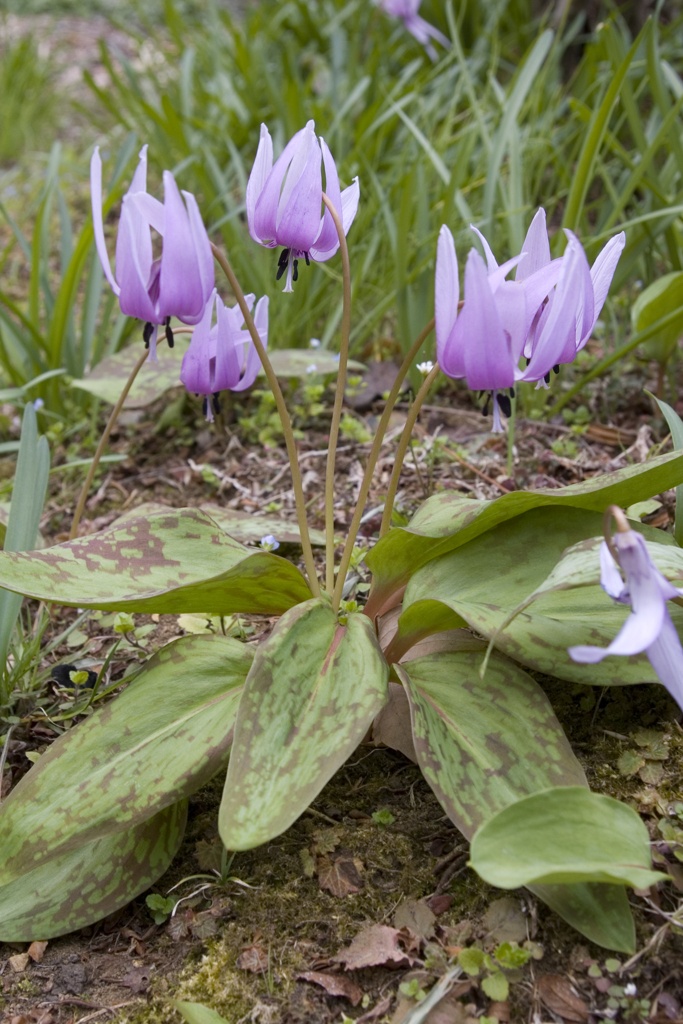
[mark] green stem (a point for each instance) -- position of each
(403, 448)
(290, 443)
(338, 398)
(372, 459)
(102, 445)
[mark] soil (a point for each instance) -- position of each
(242, 945)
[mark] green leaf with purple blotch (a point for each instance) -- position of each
(310, 697)
(178, 561)
(446, 521)
(161, 739)
(483, 581)
(79, 888)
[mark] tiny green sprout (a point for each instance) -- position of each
(80, 677)
(345, 609)
(272, 506)
(471, 960)
(594, 971)
(160, 906)
(383, 817)
(510, 956)
(612, 965)
(412, 989)
(209, 475)
(124, 623)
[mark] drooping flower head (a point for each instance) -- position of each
(284, 201)
(545, 315)
(223, 357)
(180, 282)
(649, 627)
(413, 23)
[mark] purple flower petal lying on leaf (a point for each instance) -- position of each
(223, 357)
(649, 627)
(179, 283)
(284, 201)
(413, 23)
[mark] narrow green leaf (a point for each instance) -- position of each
(180, 561)
(659, 299)
(564, 834)
(166, 735)
(446, 521)
(79, 888)
(675, 425)
(484, 580)
(310, 697)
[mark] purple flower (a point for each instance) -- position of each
(649, 627)
(413, 23)
(284, 201)
(223, 357)
(180, 282)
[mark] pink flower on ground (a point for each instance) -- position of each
(413, 23)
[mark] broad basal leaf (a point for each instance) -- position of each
(166, 735)
(178, 561)
(446, 521)
(79, 888)
(312, 692)
(107, 379)
(484, 581)
(482, 745)
(565, 834)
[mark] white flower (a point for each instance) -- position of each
(630, 989)
(268, 543)
(315, 343)
(312, 368)
(426, 367)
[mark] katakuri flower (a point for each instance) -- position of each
(177, 284)
(223, 357)
(413, 23)
(284, 201)
(649, 627)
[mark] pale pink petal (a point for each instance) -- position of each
(491, 261)
(134, 264)
(98, 225)
(536, 247)
(266, 207)
(488, 360)
(195, 372)
(666, 658)
(328, 238)
(602, 272)
(298, 219)
(180, 286)
(253, 363)
(228, 362)
(263, 165)
(446, 293)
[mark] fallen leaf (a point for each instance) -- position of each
(449, 1011)
(307, 862)
(326, 841)
(376, 944)
(378, 1010)
(335, 985)
(392, 725)
(340, 876)
(137, 979)
(499, 1010)
(440, 904)
(557, 994)
(209, 853)
(415, 916)
(19, 962)
(36, 950)
(254, 959)
(504, 921)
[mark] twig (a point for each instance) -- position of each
(101, 446)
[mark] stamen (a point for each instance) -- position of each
(512, 392)
(308, 262)
(169, 332)
(295, 275)
(547, 378)
(282, 263)
(216, 402)
(505, 404)
(147, 331)
(556, 368)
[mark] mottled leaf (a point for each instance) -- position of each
(83, 886)
(180, 561)
(446, 521)
(484, 581)
(564, 834)
(107, 379)
(159, 741)
(420, 620)
(482, 745)
(392, 725)
(295, 362)
(244, 527)
(312, 692)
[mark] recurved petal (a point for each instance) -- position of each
(263, 165)
(98, 225)
(266, 208)
(488, 360)
(610, 577)
(298, 219)
(139, 182)
(253, 363)
(328, 238)
(666, 658)
(195, 372)
(202, 248)
(181, 290)
(349, 200)
(229, 356)
(602, 271)
(491, 261)
(446, 292)
(536, 247)
(585, 301)
(134, 264)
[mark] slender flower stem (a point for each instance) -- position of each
(338, 399)
(403, 448)
(290, 443)
(372, 459)
(102, 445)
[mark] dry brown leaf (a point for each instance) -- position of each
(340, 876)
(209, 854)
(557, 994)
(415, 916)
(440, 904)
(376, 944)
(392, 725)
(325, 841)
(137, 979)
(504, 921)
(377, 1011)
(253, 958)
(499, 1010)
(335, 985)
(449, 1011)
(19, 962)
(36, 950)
